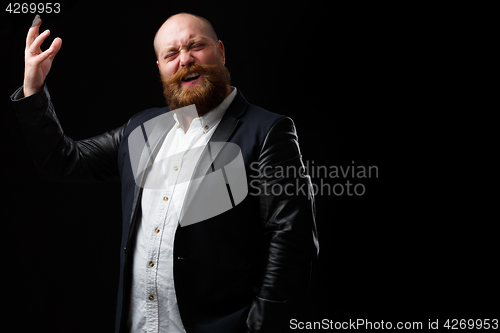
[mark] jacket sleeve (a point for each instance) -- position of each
(58, 157)
(287, 215)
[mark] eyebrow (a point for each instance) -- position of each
(190, 42)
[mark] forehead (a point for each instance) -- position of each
(179, 30)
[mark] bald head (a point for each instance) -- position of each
(175, 24)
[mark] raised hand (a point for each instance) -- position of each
(37, 63)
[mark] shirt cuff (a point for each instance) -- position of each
(24, 105)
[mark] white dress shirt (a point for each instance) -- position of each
(153, 306)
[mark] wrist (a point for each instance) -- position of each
(28, 91)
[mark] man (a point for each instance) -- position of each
(228, 270)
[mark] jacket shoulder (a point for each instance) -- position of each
(252, 114)
(262, 116)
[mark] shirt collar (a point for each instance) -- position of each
(213, 117)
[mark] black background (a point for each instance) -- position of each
(346, 76)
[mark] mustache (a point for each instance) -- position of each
(202, 69)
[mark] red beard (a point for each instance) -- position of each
(206, 95)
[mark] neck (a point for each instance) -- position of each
(185, 122)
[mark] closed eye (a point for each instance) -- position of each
(198, 46)
(171, 55)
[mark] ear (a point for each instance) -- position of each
(220, 48)
(157, 63)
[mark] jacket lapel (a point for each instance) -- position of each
(222, 134)
(217, 142)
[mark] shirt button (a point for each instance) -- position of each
(157, 230)
(151, 297)
(151, 264)
(206, 127)
(176, 168)
(165, 199)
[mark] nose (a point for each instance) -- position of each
(186, 59)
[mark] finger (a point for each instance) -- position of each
(55, 46)
(36, 21)
(33, 31)
(50, 52)
(35, 46)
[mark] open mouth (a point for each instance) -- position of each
(191, 77)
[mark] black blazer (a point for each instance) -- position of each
(239, 271)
